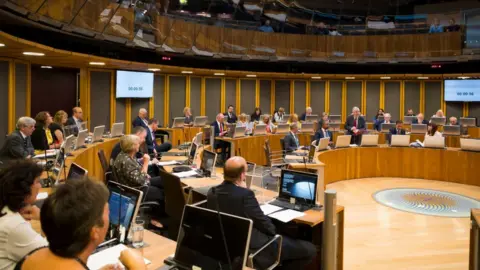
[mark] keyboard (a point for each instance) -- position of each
(288, 205)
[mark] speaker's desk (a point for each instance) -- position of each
(451, 164)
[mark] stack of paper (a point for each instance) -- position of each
(287, 215)
(186, 174)
(268, 209)
(167, 163)
(107, 256)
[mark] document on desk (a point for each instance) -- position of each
(268, 209)
(167, 163)
(108, 256)
(287, 215)
(42, 195)
(185, 174)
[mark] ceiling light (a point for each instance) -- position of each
(97, 63)
(187, 72)
(422, 78)
(385, 78)
(463, 77)
(349, 78)
(219, 74)
(154, 69)
(48, 67)
(2, 45)
(251, 75)
(33, 53)
(316, 77)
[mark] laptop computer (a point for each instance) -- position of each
(178, 122)
(198, 138)
(400, 140)
(260, 130)
(80, 142)
(418, 129)
(297, 190)
(323, 144)
(343, 141)
(311, 118)
(380, 118)
(76, 172)
(468, 121)
(239, 132)
(385, 128)
(451, 130)
(434, 142)
(470, 144)
(307, 127)
(408, 119)
(98, 133)
(117, 130)
(439, 121)
(369, 140)
(68, 145)
(200, 121)
(283, 128)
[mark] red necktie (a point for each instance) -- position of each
(355, 122)
(268, 128)
(221, 127)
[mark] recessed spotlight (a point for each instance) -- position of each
(33, 53)
(349, 78)
(48, 67)
(385, 78)
(2, 45)
(316, 77)
(463, 77)
(154, 69)
(251, 75)
(422, 78)
(97, 63)
(219, 74)
(187, 72)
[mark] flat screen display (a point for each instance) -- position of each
(132, 84)
(462, 90)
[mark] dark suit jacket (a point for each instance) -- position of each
(320, 135)
(39, 138)
(393, 131)
(217, 128)
(378, 124)
(188, 120)
(139, 122)
(150, 141)
(302, 117)
(415, 121)
(241, 202)
(14, 147)
(289, 143)
(117, 150)
(350, 121)
(231, 120)
(71, 122)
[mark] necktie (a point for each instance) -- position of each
(296, 140)
(398, 131)
(325, 134)
(25, 142)
(221, 127)
(355, 122)
(268, 128)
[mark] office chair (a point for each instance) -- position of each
(106, 169)
(275, 163)
(174, 202)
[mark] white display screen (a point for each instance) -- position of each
(131, 84)
(462, 90)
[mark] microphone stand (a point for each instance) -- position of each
(47, 182)
(221, 229)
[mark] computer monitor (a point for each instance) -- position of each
(385, 128)
(299, 185)
(206, 235)
(208, 161)
(69, 142)
(82, 136)
(419, 129)
(311, 118)
(76, 172)
(98, 133)
(408, 119)
(178, 122)
(439, 121)
(199, 138)
(468, 121)
(123, 204)
(200, 121)
(193, 151)
(117, 129)
(451, 130)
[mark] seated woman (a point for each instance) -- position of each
(270, 127)
(294, 120)
(439, 113)
(188, 116)
(242, 122)
(255, 117)
(56, 127)
(380, 112)
(324, 119)
(432, 130)
(75, 219)
(278, 116)
(129, 172)
(19, 186)
(42, 138)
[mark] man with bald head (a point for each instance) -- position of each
(76, 120)
(233, 197)
(220, 130)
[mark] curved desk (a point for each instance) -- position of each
(452, 165)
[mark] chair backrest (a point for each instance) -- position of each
(174, 201)
(103, 160)
(266, 147)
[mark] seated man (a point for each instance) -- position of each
(453, 121)
(75, 122)
(18, 144)
(308, 111)
(410, 112)
(420, 119)
(290, 142)
(386, 120)
(355, 125)
(398, 130)
(323, 132)
(152, 146)
(220, 131)
(231, 117)
(233, 197)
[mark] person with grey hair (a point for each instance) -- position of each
(355, 125)
(18, 144)
(142, 119)
(387, 119)
(308, 111)
(291, 142)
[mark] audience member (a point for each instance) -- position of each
(453, 121)
(386, 120)
(18, 144)
(439, 113)
(75, 220)
(255, 116)
(452, 26)
(436, 27)
(321, 29)
(290, 142)
(432, 130)
(278, 116)
(293, 119)
(142, 119)
(187, 112)
(152, 145)
(325, 118)
(242, 122)
(19, 186)
(323, 132)
(269, 127)
(138, 131)
(308, 112)
(398, 130)
(380, 112)
(410, 112)
(233, 197)
(42, 138)
(75, 122)
(355, 125)
(219, 131)
(420, 119)
(231, 117)
(56, 127)
(266, 27)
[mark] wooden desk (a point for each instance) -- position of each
(452, 165)
(474, 240)
(181, 135)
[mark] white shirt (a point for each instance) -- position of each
(77, 122)
(325, 134)
(23, 135)
(17, 239)
(278, 117)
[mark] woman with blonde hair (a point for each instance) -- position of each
(294, 120)
(243, 122)
(56, 127)
(187, 112)
(270, 127)
(278, 116)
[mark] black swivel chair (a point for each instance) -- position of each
(106, 169)
(174, 202)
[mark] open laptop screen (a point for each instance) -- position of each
(76, 172)
(300, 185)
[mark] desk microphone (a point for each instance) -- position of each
(47, 182)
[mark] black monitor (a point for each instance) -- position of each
(193, 150)
(123, 204)
(201, 242)
(208, 161)
(76, 172)
(299, 185)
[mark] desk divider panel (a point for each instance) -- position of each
(100, 87)
(412, 96)
(213, 89)
(4, 77)
(177, 96)
(454, 109)
(392, 99)
(317, 97)
(265, 96)
(21, 77)
(373, 99)
(247, 96)
(354, 96)
(158, 97)
(300, 96)
(433, 98)
(474, 110)
(282, 95)
(336, 98)
(230, 93)
(195, 95)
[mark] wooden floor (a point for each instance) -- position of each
(379, 237)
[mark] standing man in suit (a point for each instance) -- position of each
(233, 197)
(355, 125)
(76, 120)
(220, 131)
(150, 141)
(420, 119)
(142, 119)
(231, 117)
(290, 142)
(323, 132)
(18, 144)
(386, 120)
(308, 111)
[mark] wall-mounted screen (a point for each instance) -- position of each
(462, 90)
(132, 84)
